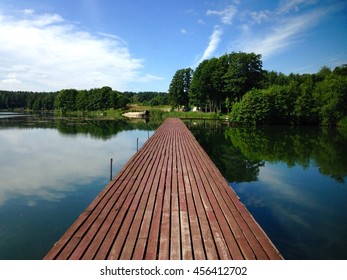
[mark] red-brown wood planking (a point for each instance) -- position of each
(168, 202)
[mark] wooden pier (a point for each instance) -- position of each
(168, 202)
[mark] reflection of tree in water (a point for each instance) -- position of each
(102, 129)
(239, 152)
(234, 166)
(331, 153)
(97, 129)
(304, 146)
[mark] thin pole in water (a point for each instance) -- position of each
(111, 169)
(137, 147)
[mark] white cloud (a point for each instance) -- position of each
(46, 53)
(28, 11)
(260, 16)
(10, 79)
(149, 78)
(226, 15)
(184, 31)
(215, 38)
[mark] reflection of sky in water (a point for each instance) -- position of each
(41, 163)
(47, 179)
(300, 209)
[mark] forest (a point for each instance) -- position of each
(237, 84)
(65, 100)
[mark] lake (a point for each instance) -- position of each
(292, 180)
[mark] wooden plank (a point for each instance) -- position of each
(158, 183)
(196, 235)
(205, 228)
(175, 244)
(140, 210)
(164, 243)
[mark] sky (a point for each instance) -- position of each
(138, 45)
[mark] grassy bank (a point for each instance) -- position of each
(165, 111)
(156, 113)
(104, 114)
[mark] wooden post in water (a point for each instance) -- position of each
(137, 145)
(111, 169)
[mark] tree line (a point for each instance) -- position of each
(89, 100)
(150, 98)
(26, 100)
(78, 100)
(237, 84)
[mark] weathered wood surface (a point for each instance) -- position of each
(168, 202)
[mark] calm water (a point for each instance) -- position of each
(50, 171)
(294, 181)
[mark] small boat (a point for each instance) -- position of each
(137, 115)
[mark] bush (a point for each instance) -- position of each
(253, 109)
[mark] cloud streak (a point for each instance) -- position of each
(215, 38)
(288, 5)
(285, 33)
(268, 32)
(46, 53)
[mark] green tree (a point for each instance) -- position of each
(207, 87)
(210, 80)
(66, 100)
(341, 70)
(244, 73)
(179, 87)
(37, 104)
(304, 107)
(123, 100)
(108, 99)
(331, 99)
(198, 89)
(81, 100)
(217, 67)
(282, 102)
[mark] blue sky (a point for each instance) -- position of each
(138, 45)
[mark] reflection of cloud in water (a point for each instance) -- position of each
(41, 163)
(283, 194)
(284, 186)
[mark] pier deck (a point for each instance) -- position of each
(168, 202)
